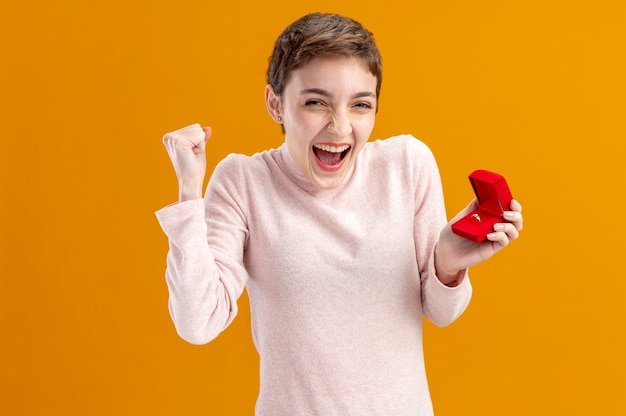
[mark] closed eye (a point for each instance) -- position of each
(314, 102)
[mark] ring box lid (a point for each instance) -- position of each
(492, 191)
(494, 197)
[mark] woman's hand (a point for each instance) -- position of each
(454, 254)
(186, 148)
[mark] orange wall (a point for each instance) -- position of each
(534, 90)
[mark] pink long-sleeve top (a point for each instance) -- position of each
(338, 280)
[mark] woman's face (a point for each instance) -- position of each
(328, 110)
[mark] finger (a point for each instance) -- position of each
(509, 229)
(190, 137)
(189, 129)
(167, 138)
(183, 136)
(200, 145)
(499, 237)
(514, 217)
(207, 132)
(515, 205)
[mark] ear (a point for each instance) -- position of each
(272, 102)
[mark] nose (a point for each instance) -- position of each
(339, 124)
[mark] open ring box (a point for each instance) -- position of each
(494, 197)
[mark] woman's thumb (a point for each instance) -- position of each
(207, 131)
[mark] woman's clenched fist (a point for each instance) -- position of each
(187, 150)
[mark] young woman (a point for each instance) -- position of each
(341, 243)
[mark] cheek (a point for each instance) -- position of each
(308, 124)
(364, 128)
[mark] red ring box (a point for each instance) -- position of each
(494, 197)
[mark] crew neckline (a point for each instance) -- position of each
(291, 170)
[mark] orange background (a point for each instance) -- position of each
(534, 90)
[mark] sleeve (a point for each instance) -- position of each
(205, 274)
(441, 304)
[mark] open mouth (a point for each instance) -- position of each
(330, 157)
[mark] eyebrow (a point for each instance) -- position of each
(325, 93)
